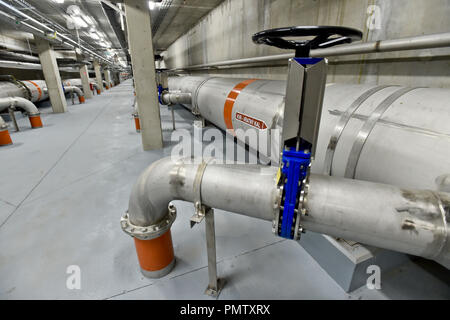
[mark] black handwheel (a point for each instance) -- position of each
(324, 37)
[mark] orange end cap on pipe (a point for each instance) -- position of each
(137, 123)
(35, 121)
(98, 91)
(156, 256)
(5, 138)
(81, 99)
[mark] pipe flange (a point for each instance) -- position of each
(149, 232)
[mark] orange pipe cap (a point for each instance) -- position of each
(155, 256)
(35, 121)
(138, 124)
(5, 138)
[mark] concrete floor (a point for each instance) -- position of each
(65, 186)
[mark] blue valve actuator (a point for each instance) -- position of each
(294, 171)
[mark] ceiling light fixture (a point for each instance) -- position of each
(152, 4)
(58, 1)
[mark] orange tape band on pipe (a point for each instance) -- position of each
(229, 102)
(38, 88)
(155, 254)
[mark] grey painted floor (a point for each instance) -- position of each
(65, 186)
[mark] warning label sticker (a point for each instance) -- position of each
(259, 124)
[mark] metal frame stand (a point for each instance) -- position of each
(173, 115)
(13, 119)
(215, 284)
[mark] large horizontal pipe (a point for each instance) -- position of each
(430, 41)
(411, 134)
(380, 215)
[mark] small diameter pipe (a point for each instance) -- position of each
(28, 106)
(409, 221)
(78, 92)
(169, 98)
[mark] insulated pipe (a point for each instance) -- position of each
(35, 90)
(409, 221)
(28, 106)
(78, 92)
(367, 132)
(430, 41)
(5, 138)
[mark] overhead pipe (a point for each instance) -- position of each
(409, 221)
(18, 56)
(5, 138)
(41, 33)
(77, 83)
(27, 105)
(438, 40)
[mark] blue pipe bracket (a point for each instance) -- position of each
(293, 174)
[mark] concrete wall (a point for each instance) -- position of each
(225, 33)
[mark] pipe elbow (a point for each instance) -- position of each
(151, 194)
(20, 102)
(27, 105)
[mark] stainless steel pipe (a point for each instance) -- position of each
(410, 221)
(169, 98)
(410, 135)
(164, 181)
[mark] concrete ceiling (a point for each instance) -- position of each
(91, 9)
(178, 18)
(170, 20)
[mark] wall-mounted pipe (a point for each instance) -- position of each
(27, 105)
(5, 138)
(430, 41)
(409, 221)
